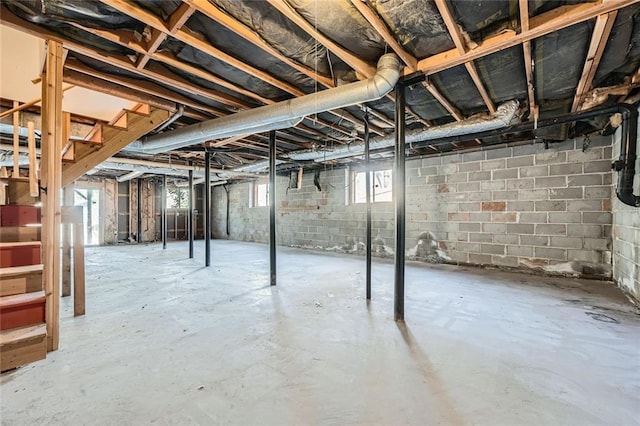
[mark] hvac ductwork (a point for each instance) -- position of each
(278, 116)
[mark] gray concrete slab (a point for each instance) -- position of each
(168, 341)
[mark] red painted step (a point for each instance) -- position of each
(22, 310)
(17, 215)
(20, 254)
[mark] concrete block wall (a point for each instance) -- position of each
(626, 238)
(521, 207)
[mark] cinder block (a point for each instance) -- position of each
(534, 171)
(493, 249)
(565, 193)
(479, 259)
(551, 253)
(519, 183)
(494, 164)
(532, 217)
(520, 206)
(469, 207)
(592, 231)
(565, 169)
(458, 217)
(597, 217)
(506, 239)
(479, 217)
(566, 242)
(510, 261)
(457, 178)
(494, 228)
(551, 182)
(473, 156)
(494, 206)
(469, 227)
(451, 158)
(431, 161)
(520, 251)
(480, 237)
(585, 256)
(549, 206)
(468, 187)
(520, 228)
(505, 174)
(492, 185)
(534, 240)
(499, 153)
(523, 161)
(551, 229)
(585, 180)
(597, 192)
(584, 205)
(534, 194)
(473, 176)
(469, 167)
(565, 217)
(527, 149)
(505, 195)
(597, 166)
(504, 217)
(597, 244)
(448, 169)
(480, 196)
(550, 156)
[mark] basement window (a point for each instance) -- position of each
(381, 186)
(261, 194)
(177, 198)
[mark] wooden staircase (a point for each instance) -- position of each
(22, 298)
(105, 140)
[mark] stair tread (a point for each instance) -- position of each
(21, 334)
(20, 270)
(21, 299)
(20, 244)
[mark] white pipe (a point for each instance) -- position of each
(281, 115)
(134, 174)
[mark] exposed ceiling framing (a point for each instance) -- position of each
(151, 69)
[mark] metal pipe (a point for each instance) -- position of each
(272, 207)
(367, 166)
(139, 216)
(281, 115)
(228, 218)
(190, 216)
(207, 209)
(171, 119)
(164, 212)
(399, 193)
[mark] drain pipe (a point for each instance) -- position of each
(172, 119)
(278, 116)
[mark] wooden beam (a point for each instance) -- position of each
(381, 27)
(458, 40)
(599, 38)
(51, 148)
(115, 139)
(443, 101)
(528, 60)
(540, 25)
(16, 140)
(34, 188)
(28, 104)
(68, 192)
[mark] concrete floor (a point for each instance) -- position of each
(167, 341)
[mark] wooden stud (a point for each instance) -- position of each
(78, 270)
(599, 38)
(16, 140)
(528, 60)
(34, 188)
(51, 176)
(68, 193)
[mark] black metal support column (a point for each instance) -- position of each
(368, 194)
(190, 214)
(399, 195)
(164, 212)
(139, 217)
(272, 206)
(207, 208)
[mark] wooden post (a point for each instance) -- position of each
(78, 270)
(16, 141)
(34, 188)
(66, 244)
(51, 177)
